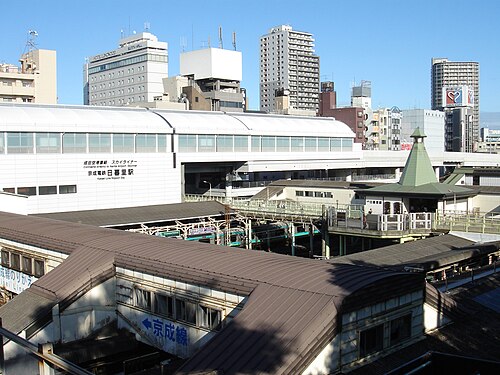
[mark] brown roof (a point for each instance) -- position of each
(292, 306)
(137, 215)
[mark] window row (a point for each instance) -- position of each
(23, 262)
(178, 308)
(313, 194)
(129, 61)
(42, 190)
(257, 143)
(71, 143)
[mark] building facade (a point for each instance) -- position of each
(34, 82)
(132, 73)
(288, 62)
(456, 85)
(428, 121)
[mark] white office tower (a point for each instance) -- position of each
(288, 63)
(455, 90)
(132, 73)
(428, 121)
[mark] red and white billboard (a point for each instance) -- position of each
(460, 96)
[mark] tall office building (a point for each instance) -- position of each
(132, 73)
(288, 63)
(455, 85)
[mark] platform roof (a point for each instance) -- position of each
(293, 303)
(116, 217)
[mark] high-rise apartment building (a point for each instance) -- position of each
(456, 85)
(132, 73)
(35, 81)
(288, 62)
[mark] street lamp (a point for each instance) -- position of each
(209, 188)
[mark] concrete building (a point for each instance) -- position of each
(490, 141)
(456, 85)
(288, 62)
(34, 82)
(327, 99)
(428, 121)
(131, 73)
(354, 117)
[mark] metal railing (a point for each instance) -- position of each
(477, 222)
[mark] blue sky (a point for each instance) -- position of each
(387, 42)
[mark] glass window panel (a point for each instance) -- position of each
(100, 142)
(142, 298)
(48, 143)
(5, 258)
(31, 190)
(323, 144)
(210, 318)
(67, 189)
(224, 143)
(15, 261)
(164, 305)
(39, 268)
(206, 143)
(297, 144)
(27, 266)
(74, 143)
(123, 143)
(310, 143)
(2, 144)
(187, 143)
(347, 144)
(336, 144)
(240, 143)
(19, 143)
(283, 144)
(47, 190)
(371, 340)
(256, 141)
(400, 329)
(145, 143)
(268, 143)
(162, 143)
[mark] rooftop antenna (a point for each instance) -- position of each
(221, 44)
(234, 40)
(27, 63)
(121, 34)
(183, 43)
(208, 41)
(147, 26)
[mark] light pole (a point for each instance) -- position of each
(209, 188)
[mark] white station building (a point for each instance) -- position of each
(71, 158)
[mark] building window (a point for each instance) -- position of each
(15, 261)
(163, 305)
(123, 143)
(310, 143)
(39, 268)
(100, 142)
(224, 143)
(297, 144)
(240, 143)
(185, 310)
(47, 190)
(48, 143)
(74, 143)
(283, 144)
(210, 318)
(31, 190)
(27, 265)
(400, 329)
(256, 141)
(5, 258)
(67, 189)
(162, 143)
(2, 145)
(19, 143)
(187, 143)
(206, 143)
(142, 298)
(299, 193)
(268, 144)
(371, 340)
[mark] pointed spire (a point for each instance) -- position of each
(418, 169)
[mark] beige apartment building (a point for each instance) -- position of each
(35, 81)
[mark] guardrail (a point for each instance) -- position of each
(477, 222)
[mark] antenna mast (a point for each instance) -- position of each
(221, 45)
(234, 40)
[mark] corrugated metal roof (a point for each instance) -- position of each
(293, 303)
(435, 248)
(136, 215)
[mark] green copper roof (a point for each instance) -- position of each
(418, 169)
(418, 133)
